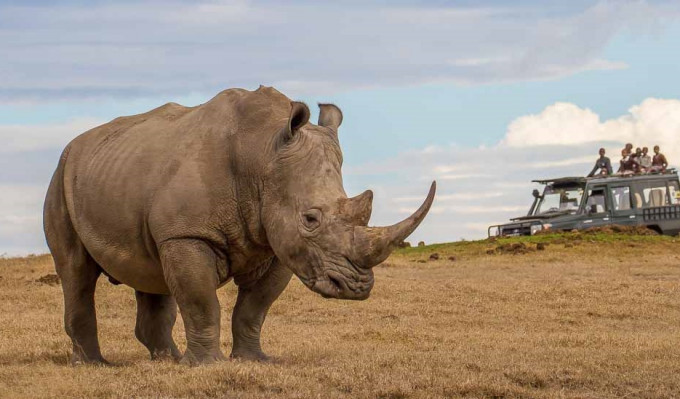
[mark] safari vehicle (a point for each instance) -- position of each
(568, 203)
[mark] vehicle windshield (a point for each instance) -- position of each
(559, 199)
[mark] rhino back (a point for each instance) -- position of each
(169, 173)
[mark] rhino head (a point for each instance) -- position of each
(312, 226)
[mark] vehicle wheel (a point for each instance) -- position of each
(655, 228)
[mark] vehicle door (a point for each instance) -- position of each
(623, 204)
(674, 192)
(596, 208)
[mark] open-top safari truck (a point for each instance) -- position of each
(567, 203)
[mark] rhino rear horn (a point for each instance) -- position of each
(357, 210)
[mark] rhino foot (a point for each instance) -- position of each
(257, 356)
(166, 354)
(77, 360)
(192, 359)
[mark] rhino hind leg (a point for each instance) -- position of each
(189, 269)
(78, 273)
(252, 304)
(78, 276)
(156, 315)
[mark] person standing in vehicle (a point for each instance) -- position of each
(603, 163)
(645, 160)
(659, 162)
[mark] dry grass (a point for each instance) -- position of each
(599, 319)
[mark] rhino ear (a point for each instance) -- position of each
(330, 116)
(299, 116)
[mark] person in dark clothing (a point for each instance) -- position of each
(659, 162)
(628, 163)
(635, 157)
(603, 164)
(628, 148)
(637, 154)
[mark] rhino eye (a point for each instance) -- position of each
(311, 219)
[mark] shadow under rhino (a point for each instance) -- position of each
(180, 200)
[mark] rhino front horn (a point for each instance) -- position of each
(372, 245)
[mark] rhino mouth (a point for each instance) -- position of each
(344, 282)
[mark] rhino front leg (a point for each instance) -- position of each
(156, 315)
(190, 271)
(252, 304)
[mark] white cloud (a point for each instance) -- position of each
(654, 121)
(151, 48)
(453, 197)
(467, 62)
(468, 209)
(16, 138)
(558, 124)
(21, 219)
(563, 162)
(20, 199)
(462, 176)
(599, 64)
(478, 226)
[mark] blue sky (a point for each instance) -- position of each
(458, 91)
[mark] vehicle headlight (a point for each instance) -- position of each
(547, 226)
(535, 228)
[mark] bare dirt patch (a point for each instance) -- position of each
(49, 279)
(514, 248)
(609, 229)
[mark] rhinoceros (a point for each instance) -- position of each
(180, 200)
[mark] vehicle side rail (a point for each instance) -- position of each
(668, 212)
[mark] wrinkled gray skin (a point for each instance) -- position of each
(178, 201)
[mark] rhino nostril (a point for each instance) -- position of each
(336, 282)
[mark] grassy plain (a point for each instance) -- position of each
(590, 316)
